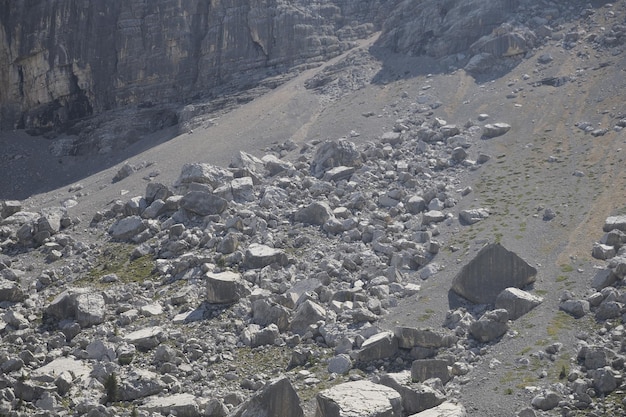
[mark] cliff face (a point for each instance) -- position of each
(63, 60)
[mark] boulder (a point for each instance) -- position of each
(126, 228)
(433, 216)
(359, 398)
(259, 256)
(472, 216)
(340, 364)
(277, 398)
(423, 369)
(203, 203)
(601, 251)
(410, 337)
(447, 409)
(275, 165)
(615, 222)
(9, 208)
(308, 313)
(517, 302)
(203, 174)
(333, 154)
(416, 397)
(546, 400)
(11, 291)
(255, 336)
(492, 325)
(379, 346)
(338, 173)
(180, 405)
(146, 339)
(82, 305)
(575, 308)
(495, 129)
(264, 312)
(139, 383)
(156, 191)
(605, 277)
(316, 213)
(492, 270)
(225, 287)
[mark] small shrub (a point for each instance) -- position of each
(111, 385)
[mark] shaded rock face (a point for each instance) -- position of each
(134, 52)
(492, 270)
(441, 28)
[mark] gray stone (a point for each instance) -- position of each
(433, 216)
(446, 409)
(139, 383)
(409, 337)
(546, 400)
(146, 339)
(203, 203)
(275, 165)
(126, 228)
(604, 380)
(416, 397)
(255, 336)
(458, 154)
(609, 310)
(415, 204)
(124, 172)
(338, 173)
(203, 174)
(359, 398)
(603, 252)
(180, 405)
(277, 398)
(340, 364)
(225, 287)
(265, 312)
(379, 346)
(490, 326)
(492, 270)
(9, 208)
(332, 154)
(308, 313)
(11, 291)
(615, 222)
(472, 216)
(575, 308)
(316, 213)
(89, 309)
(424, 369)
(603, 278)
(259, 256)
(247, 162)
(517, 302)
(156, 191)
(495, 129)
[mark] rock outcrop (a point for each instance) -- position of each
(145, 54)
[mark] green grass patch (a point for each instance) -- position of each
(115, 259)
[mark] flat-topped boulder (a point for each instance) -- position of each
(259, 256)
(359, 398)
(225, 287)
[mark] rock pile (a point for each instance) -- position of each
(297, 257)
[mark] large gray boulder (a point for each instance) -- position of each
(495, 129)
(225, 287)
(492, 325)
(615, 222)
(203, 203)
(11, 291)
(416, 397)
(307, 313)
(203, 174)
(333, 154)
(259, 256)
(278, 398)
(139, 383)
(127, 227)
(180, 405)
(447, 409)
(147, 338)
(83, 305)
(517, 302)
(423, 369)
(410, 337)
(359, 398)
(316, 213)
(492, 270)
(379, 346)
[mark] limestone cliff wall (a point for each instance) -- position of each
(63, 60)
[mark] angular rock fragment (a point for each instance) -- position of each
(225, 287)
(359, 398)
(307, 314)
(332, 154)
(615, 222)
(490, 326)
(492, 270)
(259, 256)
(126, 228)
(416, 397)
(278, 398)
(379, 346)
(181, 405)
(517, 302)
(472, 216)
(410, 337)
(316, 213)
(495, 129)
(146, 339)
(203, 203)
(424, 369)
